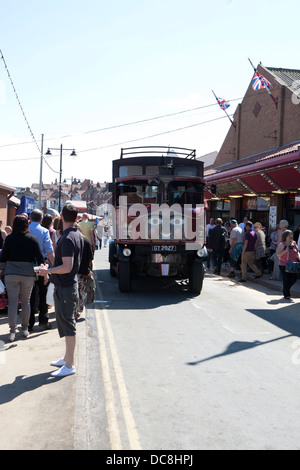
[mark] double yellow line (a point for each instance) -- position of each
(102, 319)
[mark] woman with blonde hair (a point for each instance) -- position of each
(283, 225)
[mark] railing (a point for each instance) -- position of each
(158, 151)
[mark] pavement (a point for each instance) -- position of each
(40, 412)
(37, 411)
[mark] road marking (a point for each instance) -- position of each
(113, 427)
(109, 394)
(229, 329)
(204, 311)
(208, 314)
(129, 421)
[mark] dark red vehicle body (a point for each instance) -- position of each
(158, 216)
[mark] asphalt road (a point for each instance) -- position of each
(159, 369)
(167, 370)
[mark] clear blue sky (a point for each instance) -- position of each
(83, 66)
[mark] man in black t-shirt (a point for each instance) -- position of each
(216, 243)
(68, 254)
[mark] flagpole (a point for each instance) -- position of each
(255, 71)
(234, 125)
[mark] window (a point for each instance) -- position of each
(185, 192)
(139, 192)
(186, 171)
(152, 170)
(130, 171)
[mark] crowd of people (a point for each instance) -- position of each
(39, 252)
(246, 247)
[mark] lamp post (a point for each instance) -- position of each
(73, 154)
(41, 173)
(73, 181)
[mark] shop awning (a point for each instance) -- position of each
(286, 177)
(232, 187)
(258, 183)
(262, 175)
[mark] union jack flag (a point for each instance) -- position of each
(259, 81)
(223, 103)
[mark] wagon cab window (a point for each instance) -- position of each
(186, 171)
(185, 192)
(139, 193)
(130, 170)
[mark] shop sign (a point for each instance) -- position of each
(273, 217)
(223, 205)
(249, 203)
(263, 203)
(294, 201)
(27, 205)
(227, 205)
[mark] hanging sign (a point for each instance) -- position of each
(273, 217)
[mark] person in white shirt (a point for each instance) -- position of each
(242, 224)
(236, 245)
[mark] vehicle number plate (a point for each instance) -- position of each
(163, 247)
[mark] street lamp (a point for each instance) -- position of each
(73, 181)
(73, 154)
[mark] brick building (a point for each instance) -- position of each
(257, 170)
(7, 204)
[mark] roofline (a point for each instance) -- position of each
(289, 159)
(261, 155)
(7, 188)
(281, 82)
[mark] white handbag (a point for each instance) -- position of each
(49, 297)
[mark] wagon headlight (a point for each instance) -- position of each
(202, 252)
(126, 252)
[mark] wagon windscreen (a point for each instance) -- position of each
(185, 192)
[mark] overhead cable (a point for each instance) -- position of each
(18, 100)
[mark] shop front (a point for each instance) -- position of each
(256, 209)
(219, 208)
(266, 189)
(292, 208)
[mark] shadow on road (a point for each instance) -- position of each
(23, 384)
(237, 346)
(286, 318)
(147, 293)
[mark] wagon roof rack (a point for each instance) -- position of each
(158, 151)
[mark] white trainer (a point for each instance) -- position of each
(58, 363)
(63, 372)
(12, 337)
